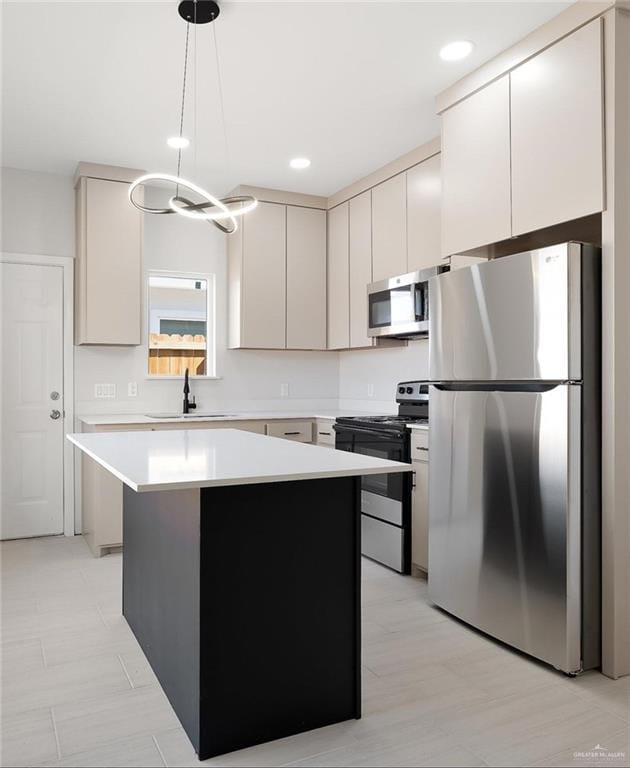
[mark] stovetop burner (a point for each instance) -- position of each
(413, 408)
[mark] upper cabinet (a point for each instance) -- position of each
(306, 278)
(338, 278)
(108, 281)
(526, 151)
(360, 257)
(476, 169)
(386, 230)
(277, 283)
(389, 228)
(257, 263)
(557, 133)
(424, 197)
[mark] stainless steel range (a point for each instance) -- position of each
(386, 499)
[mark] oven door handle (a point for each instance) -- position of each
(382, 434)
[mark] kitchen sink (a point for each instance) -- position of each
(189, 415)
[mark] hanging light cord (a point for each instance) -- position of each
(181, 119)
(220, 84)
(195, 90)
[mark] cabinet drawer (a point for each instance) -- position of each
(324, 432)
(419, 445)
(302, 431)
(382, 542)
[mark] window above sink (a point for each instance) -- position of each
(181, 324)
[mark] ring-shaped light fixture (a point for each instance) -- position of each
(229, 226)
(228, 209)
(221, 213)
(230, 206)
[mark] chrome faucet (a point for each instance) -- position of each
(188, 404)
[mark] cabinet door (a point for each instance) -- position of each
(360, 247)
(306, 278)
(338, 279)
(476, 170)
(389, 228)
(420, 515)
(424, 222)
(110, 269)
(557, 132)
(263, 288)
(324, 432)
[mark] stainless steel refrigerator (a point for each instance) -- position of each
(514, 475)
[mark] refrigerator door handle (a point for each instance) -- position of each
(497, 386)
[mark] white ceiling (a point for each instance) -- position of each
(349, 84)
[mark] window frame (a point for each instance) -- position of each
(211, 322)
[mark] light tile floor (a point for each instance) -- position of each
(77, 691)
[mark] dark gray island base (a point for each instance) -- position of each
(246, 600)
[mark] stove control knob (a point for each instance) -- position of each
(401, 390)
(409, 390)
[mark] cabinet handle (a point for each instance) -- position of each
(418, 448)
(324, 433)
(292, 433)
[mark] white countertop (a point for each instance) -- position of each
(136, 418)
(198, 458)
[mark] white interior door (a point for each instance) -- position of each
(32, 401)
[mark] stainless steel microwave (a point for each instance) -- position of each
(399, 306)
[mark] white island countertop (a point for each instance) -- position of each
(175, 459)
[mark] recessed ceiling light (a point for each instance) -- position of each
(456, 50)
(299, 163)
(178, 142)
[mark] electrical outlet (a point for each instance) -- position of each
(105, 391)
(132, 389)
(370, 390)
(284, 390)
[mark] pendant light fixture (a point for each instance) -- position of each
(204, 206)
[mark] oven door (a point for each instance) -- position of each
(382, 496)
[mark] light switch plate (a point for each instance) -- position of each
(284, 390)
(132, 389)
(370, 390)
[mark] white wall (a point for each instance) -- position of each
(37, 213)
(38, 217)
(368, 377)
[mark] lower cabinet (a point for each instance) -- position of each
(324, 434)
(101, 492)
(420, 500)
(101, 507)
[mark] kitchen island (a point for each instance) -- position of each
(241, 577)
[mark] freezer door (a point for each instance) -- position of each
(504, 516)
(515, 318)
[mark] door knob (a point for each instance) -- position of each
(55, 414)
